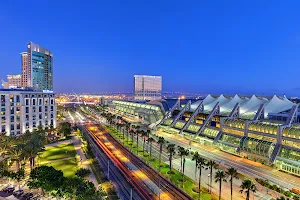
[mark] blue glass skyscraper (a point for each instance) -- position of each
(37, 67)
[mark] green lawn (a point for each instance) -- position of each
(175, 178)
(68, 167)
(61, 157)
(57, 152)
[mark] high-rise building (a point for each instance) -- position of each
(37, 67)
(25, 70)
(147, 87)
(23, 110)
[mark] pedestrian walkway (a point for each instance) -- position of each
(83, 161)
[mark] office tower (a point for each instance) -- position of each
(147, 87)
(37, 67)
(25, 70)
(23, 110)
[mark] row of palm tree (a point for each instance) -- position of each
(220, 176)
(22, 148)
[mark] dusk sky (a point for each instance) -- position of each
(197, 46)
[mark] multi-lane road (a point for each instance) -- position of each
(147, 182)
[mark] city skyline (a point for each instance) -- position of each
(197, 48)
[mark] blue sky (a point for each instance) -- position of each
(197, 46)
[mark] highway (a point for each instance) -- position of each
(148, 178)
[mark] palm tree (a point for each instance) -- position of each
(247, 187)
(137, 140)
(171, 151)
(182, 152)
(144, 135)
(5, 144)
(201, 163)
(220, 176)
(16, 154)
(150, 140)
(232, 172)
(195, 158)
(212, 165)
(127, 127)
(132, 134)
(161, 141)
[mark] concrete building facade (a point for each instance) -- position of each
(23, 110)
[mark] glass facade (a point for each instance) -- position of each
(40, 68)
(147, 87)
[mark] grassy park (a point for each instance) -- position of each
(61, 157)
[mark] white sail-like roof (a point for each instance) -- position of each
(208, 99)
(227, 108)
(277, 105)
(221, 99)
(249, 108)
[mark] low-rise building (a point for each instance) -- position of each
(23, 110)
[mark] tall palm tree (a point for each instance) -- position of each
(127, 127)
(144, 135)
(137, 140)
(182, 152)
(212, 165)
(171, 151)
(201, 164)
(233, 174)
(132, 134)
(195, 158)
(161, 141)
(16, 154)
(220, 177)
(150, 140)
(247, 187)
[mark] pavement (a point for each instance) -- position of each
(84, 163)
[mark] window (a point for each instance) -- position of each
(3, 129)
(27, 125)
(27, 117)
(40, 108)
(27, 102)
(12, 110)
(18, 126)
(12, 127)
(33, 109)
(46, 101)
(46, 108)
(51, 115)
(52, 102)
(34, 124)
(12, 119)
(2, 109)
(18, 98)
(51, 108)
(40, 116)
(2, 100)
(33, 102)
(27, 110)
(33, 117)
(40, 101)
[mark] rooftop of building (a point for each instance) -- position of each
(25, 90)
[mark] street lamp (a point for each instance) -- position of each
(208, 182)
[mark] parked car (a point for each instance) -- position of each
(27, 196)
(9, 189)
(19, 192)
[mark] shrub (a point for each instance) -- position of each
(82, 172)
(288, 193)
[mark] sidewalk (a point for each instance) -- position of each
(84, 162)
